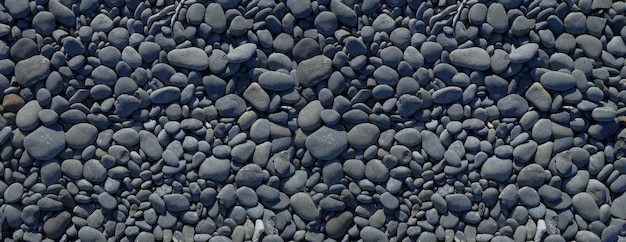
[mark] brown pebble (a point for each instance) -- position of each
(55, 226)
(338, 226)
(622, 121)
(12, 102)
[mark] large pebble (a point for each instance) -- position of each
(312, 71)
(45, 142)
(557, 81)
(81, 135)
(497, 169)
(523, 53)
(276, 81)
(192, 58)
(363, 135)
(327, 142)
(32, 70)
(241, 53)
(473, 58)
(512, 106)
(303, 206)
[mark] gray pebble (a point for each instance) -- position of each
(473, 58)
(192, 58)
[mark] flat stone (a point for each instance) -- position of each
(432, 145)
(557, 81)
(371, 234)
(276, 81)
(512, 106)
(495, 14)
(345, 14)
(523, 53)
(215, 169)
(458, 202)
(447, 95)
(192, 58)
(30, 71)
(165, 95)
(376, 171)
(337, 227)
(303, 206)
(618, 207)
(312, 71)
(56, 225)
(539, 97)
(497, 169)
(81, 135)
(13, 193)
(45, 142)
(585, 206)
(230, 106)
(591, 45)
(176, 202)
(27, 118)
(363, 135)
(241, 53)
(87, 233)
(94, 171)
(62, 14)
(327, 142)
(473, 58)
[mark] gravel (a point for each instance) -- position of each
(312, 120)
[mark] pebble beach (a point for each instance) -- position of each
(301, 120)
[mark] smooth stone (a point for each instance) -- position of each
(557, 81)
(345, 14)
(45, 142)
(81, 135)
(87, 233)
(409, 137)
(276, 81)
(363, 135)
(241, 53)
(326, 23)
(215, 18)
(432, 145)
(230, 106)
(539, 97)
(447, 95)
(371, 234)
(127, 137)
(458, 202)
(107, 201)
(55, 226)
(591, 45)
(618, 207)
(532, 175)
(250, 175)
(586, 206)
(215, 169)
(574, 23)
(94, 171)
(327, 142)
(512, 106)
(44, 23)
(338, 226)
(523, 53)
(529, 197)
(495, 14)
(27, 118)
(302, 204)
(604, 114)
(473, 58)
(305, 48)
(192, 58)
(13, 193)
(12, 102)
(165, 95)
(30, 71)
(257, 97)
(312, 71)
(496, 169)
(376, 171)
(64, 15)
(176, 202)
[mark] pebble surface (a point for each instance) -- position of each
(328, 120)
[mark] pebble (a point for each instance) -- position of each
(327, 142)
(191, 58)
(557, 81)
(496, 169)
(303, 206)
(81, 135)
(276, 81)
(87, 233)
(312, 71)
(45, 142)
(523, 53)
(473, 58)
(363, 135)
(241, 53)
(30, 71)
